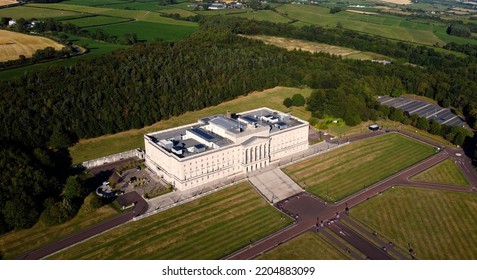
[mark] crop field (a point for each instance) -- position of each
(342, 172)
(446, 172)
(399, 2)
(14, 44)
(292, 44)
(7, 2)
(147, 30)
(436, 224)
(96, 48)
(95, 21)
(105, 145)
(307, 246)
(16, 243)
(208, 228)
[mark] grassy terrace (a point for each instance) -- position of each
(208, 228)
(446, 172)
(110, 144)
(342, 172)
(16, 243)
(308, 246)
(437, 224)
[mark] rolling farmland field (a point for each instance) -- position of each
(14, 44)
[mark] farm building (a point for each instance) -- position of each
(217, 6)
(223, 147)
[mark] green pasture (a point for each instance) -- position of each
(208, 228)
(181, 12)
(94, 21)
(390, 26)
(307, 246)
(144, 6)
(436, 224)
(93, 3)
(428, 7)
(266, 15)
(446, 172)
(344, 171)
(88, 149)
(16, 243)
(188, 6)
(147, 30)
(28, 12)
(147, 16)
(223, 12)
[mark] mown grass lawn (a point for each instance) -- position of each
(344, 171)
(307, 246)
(446, 172)
(208, 228)
(16, 243)
(110, 144)
(437, 224)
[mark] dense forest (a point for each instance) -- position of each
(443, 77)
(47, 111)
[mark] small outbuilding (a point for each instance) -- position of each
(373, 127)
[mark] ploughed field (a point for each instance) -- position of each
(208, 228)
(344, 171)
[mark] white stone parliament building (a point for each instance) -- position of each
(222, 147)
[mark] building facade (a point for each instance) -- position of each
(222, 147)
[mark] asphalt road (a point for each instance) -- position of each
(370, 250)
(310, 208)
(139, 208)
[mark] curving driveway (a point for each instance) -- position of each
(310, 208)
(140, 207)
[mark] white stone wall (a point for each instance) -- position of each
(288, 142)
